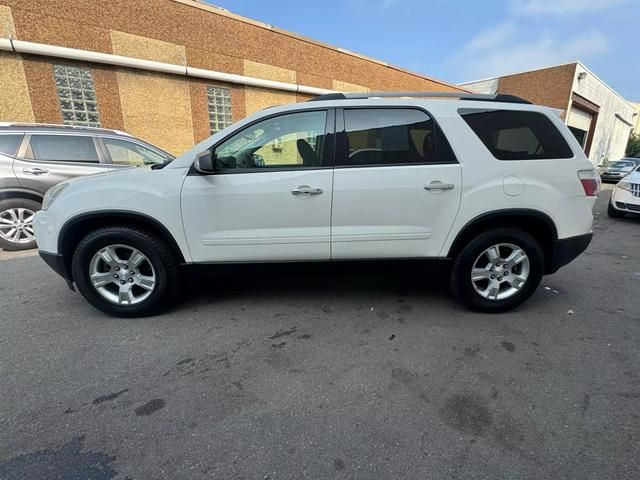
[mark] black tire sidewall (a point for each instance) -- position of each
(149, 246)
(462, 286)
(18, 203)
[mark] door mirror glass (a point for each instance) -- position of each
(204, 163)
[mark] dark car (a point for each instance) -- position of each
(614, 172)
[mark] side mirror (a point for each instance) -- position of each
(205, 163)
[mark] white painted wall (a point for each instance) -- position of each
(488, 86)
(612, 131)
(636, 128)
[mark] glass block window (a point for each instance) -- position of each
(219, 108)
(77, 96)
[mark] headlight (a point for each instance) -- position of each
(625, 185)
(52, 194)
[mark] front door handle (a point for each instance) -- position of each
(35, 171)
(306, 191)
(438, 185)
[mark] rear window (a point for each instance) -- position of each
(9, 144)
(517, 135)
(62, 148)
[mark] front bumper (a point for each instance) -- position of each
(566, 250)
(625, 201)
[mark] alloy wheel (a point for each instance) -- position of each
(122, 275)
(500, 271)
(16, 225)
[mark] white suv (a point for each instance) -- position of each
(496, 187)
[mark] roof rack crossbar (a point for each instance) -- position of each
(459, 95)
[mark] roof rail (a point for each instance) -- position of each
(58, 125)
(498, 97)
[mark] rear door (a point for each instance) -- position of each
(48, 159)
(396, 186)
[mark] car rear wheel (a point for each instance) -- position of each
(613, 213)
(16, 223)
(125, 272)
(497, 270)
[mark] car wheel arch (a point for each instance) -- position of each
(21, 193)
(537, 223)
(76, 228)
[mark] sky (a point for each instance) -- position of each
(464, 40)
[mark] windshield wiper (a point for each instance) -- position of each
(159, 166)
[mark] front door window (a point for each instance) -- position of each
(286, 142)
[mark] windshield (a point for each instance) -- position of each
(134, 154)
(622, 164)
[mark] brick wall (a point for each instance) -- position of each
(171, 111)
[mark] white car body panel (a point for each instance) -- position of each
(255, 217)
(386, 212)
(154, 193)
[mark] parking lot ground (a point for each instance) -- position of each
(346, 376)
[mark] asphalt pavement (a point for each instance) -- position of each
(349, 376)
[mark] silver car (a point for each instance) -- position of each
(35, 157)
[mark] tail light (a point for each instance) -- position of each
(590, 182)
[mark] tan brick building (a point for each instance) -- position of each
(167, 71)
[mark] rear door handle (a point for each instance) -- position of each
(306, 190)
(35, 171)
(438, 185)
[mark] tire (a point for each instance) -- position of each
(511, 289)
(159, 264)
(613, 213)
(14, 210)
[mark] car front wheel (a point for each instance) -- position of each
(125, 272)
(497, 270)
(16, 223)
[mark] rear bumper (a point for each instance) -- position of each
(57, 264)
(566, 250)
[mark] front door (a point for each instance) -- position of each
(48, 159)
(396, 185)
(270, 197)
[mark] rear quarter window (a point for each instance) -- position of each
(9, 144)
(517, 135)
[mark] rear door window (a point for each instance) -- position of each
(62, 148)
(517, 135)
(9, 144)
(392, 136)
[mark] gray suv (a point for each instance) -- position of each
(35, 157)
